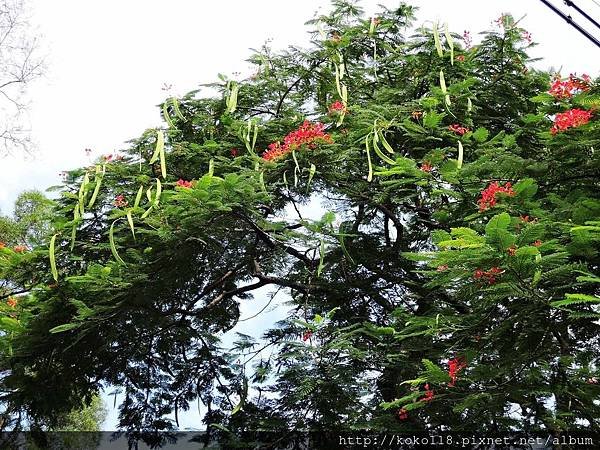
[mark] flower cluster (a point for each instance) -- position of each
(183, 184)
(455, 365)
(309, 134)
(120, 201)
(488, 275)
(403, 414)
(12, 302)
(488, 195)
(503, 21)
(572, 118)
(426, 167)
(458, 129)
(429, 394)
(467, 39)
(565, 89)
(337, 107)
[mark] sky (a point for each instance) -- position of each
(108, 63)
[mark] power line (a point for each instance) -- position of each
(571, 22)
(582, 12)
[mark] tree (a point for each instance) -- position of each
(30, 222)
(463, 224)
(20, 64)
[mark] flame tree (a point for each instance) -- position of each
(452, 284)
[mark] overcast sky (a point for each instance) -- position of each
(109, 60)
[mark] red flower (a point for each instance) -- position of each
(458, 129)
(275, 150)
(306, 336)
(572, 118)
(12, 302)
(460, 58)
(183, 184)
(426, 167)
(490, 275)
(337, 107)
(429, 394)
(20, 249)
(455, 365)
(309, 134)
(537, 243)
(403, 414)
(234, 152)
(565, 89)
(488, 195)
(525, 218)
(512, 250)
(120, 201)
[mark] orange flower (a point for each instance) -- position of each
(12, 302)
(537, 243)
(20, 249)
(426, 167)
(2, 245)
(416, 114)
(184, 184)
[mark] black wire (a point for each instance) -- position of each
(571, 22)
(582, 12)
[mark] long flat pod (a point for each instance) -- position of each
(436, 40)
(450, 43)
(52, 256)
(160, 146)
(369, 162)
(111, 240)
(130, 222)
(98, 178)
